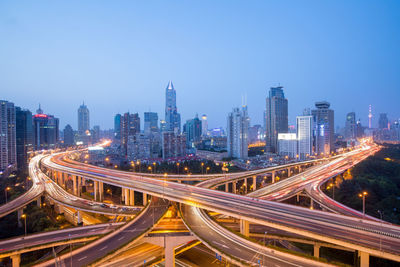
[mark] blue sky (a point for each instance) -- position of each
(118, 56)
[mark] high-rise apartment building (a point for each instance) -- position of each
(305, 130)
(172, 117)
(350, 126)
(24, 136)
(83, 120)
(237, 132)
(287, 145)
(95, 134)
(193, 131)
(204, 125)
(173, 145)
(276, 117)
(8, 146)
(69, 136)
(324, 128)
(150, 122)
(45, 128)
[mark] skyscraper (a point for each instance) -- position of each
(383, 121)
(117, 127)
(68, 136)
(8, 147)
(172, 117)
(304, 126)
(150, 122)
(130, 125)
(83, 119)
(24, 136)
(45, 128)
(173, 145)
(324, 128)
(193, 129)
(237, 131)
(350, 126)
(276, 117)
(204, 125)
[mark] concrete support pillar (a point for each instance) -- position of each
(234, 187)
(16, 260)
(131, 197)
(298, 197)
(79, 186)
(101, 191)
(364, 259)
(169, 255)
(74, 185)
(144, 199)
(20, 212)
(312, 204)
(39, 201)
(227, 187)
(126, 194)
(254, 183)
(245, 185)
(273, 177)
(95, 189)
(244, 227)
(288, 172)
(316, 250)
(79, 217)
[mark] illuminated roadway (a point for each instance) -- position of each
(371, 237)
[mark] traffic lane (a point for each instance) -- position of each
(33, 240)
(229, 247)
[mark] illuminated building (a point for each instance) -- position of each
(150, 122)
(304, 126)
(117, 127)
(324, 127)
(237, 131)
(45, 128)
(383, 121)
(172, 117)
(193, 131)
(130, 125)
(173, 145)
(276, 117)
(83, 119)
(287, 144)
(8, 147)
(350, 126)
(204, 125)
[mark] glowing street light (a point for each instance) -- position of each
(363, 194)
(6, 190)
(23, 216)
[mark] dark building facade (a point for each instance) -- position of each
(24, 136)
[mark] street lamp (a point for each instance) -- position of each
(202, 168)
(150, 169)
(23, 216)
(333, 190)
(6, 190)
(138, 163)
(207, 169)
(177, 167)
(363, 194)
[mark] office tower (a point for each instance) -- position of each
(130, 125)
(24, 136)
(359, 129)
(383, 121)
(163, 126)
(83, 120)
(173, 145)
(276, 117)
(305, 129)
(95, 133)
(237, 131)
(350, 126)
(117, 127)
(150, 122)
(204, 125)
(69, 138)
(45, 128)
(193, 130)
(287, 145)
(172, 117)
(324, 127)
(8, 147)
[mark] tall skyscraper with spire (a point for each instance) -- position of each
(172, 117)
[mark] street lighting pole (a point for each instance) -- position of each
(380, 237)
(5, 192)
(363, 194)
(24, 217)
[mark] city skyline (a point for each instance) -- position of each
(337, 61)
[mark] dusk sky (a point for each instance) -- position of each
(118, 56)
